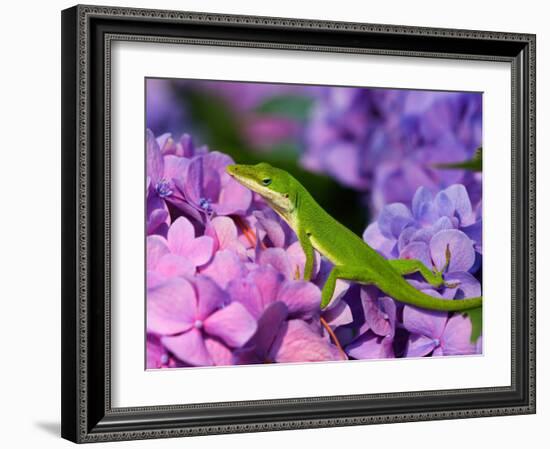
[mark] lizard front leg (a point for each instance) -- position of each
(307, 247)
(410, 266)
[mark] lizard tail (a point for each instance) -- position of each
(414, 297)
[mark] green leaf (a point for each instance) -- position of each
(289, 106)
(474, 164)
(475, 316)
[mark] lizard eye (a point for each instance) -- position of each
(266, 181)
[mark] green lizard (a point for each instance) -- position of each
(353, 259)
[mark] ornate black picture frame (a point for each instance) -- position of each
(87, 34)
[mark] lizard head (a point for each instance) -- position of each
(276, 186)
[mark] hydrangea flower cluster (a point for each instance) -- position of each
(388, 141)
(224, 273)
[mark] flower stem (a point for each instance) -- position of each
(333, 336)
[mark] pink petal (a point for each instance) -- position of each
(220, 354)
(299, 343)
(225, 231)
(189, 347)
(172, 265)
(233, 324)
(225, 267)
(156, 248)
(171, 307)
(179, 235)
(199, 250)
(234, 199)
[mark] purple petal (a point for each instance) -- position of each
(405, 237)
(423, 208)
(424, 322)
(155, 352)
(155, 163)
(224, 267)
(278, 259)
(374, 237)
(371, 346)
(417, 250)
(218, 162)
(157, 247)
(210, 297)
(420, 345)
(455, 200)
(192, 187)
(468, 286)
(233, 324)
(268, 281)
(393, 219)
(171, 307)
(272, 228)
(155, 219)
(456, 337)
(247, 293)
(460, 247)
(297, 342)
(189, 347)
(376, 318)
(175, 167)
(297, 259)
(302, 298)
(338, 315)
(269, 326)
(475, 233)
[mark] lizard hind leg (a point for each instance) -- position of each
(410, 266)
(356, 274)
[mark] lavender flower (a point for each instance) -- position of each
(210, 190)
(434, 333)
(388, 141)
(399, 230)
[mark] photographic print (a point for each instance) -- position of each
(299, 223)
